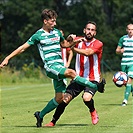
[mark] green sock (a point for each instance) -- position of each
(131, 88)
(127, 91)
(52, 104)
(85, 82)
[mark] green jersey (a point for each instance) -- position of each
(48, 45)
(126, 43)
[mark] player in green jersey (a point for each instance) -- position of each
(125, 47)
(49, 41)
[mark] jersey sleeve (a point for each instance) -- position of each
(68, 49)
(120, 42)
(61, 36)
(97, 47)
(34, 39)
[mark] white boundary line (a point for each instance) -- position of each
(5, 88)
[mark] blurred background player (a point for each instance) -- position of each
(125, 47)
(88, 58)
(67, 54)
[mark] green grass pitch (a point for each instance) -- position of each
(19, 101)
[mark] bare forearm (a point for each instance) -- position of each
(70, 58)
(16, 52)
(85, 52)
(66, 44)
(19, 50)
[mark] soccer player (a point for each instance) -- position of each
(125, 47)
(88, 58)
(48, 39)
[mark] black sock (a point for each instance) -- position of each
(90, 105)
(59, 111)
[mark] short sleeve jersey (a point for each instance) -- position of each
(126, 43)
(89, 66)
(48, 45)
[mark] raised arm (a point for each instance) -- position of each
(19, 50)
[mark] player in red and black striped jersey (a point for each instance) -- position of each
(88, 58)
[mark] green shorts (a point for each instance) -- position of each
(128, 70)
(56, 72)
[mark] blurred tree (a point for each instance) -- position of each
(21, 18)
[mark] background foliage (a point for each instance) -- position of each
(21, 18)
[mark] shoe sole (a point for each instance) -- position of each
(36, 115)
(104, 81)
(123, 105)
(49, 125)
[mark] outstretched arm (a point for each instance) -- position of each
(19, 50)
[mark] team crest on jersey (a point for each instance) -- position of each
(55, 39)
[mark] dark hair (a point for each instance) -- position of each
(91, 22)
(48, 14)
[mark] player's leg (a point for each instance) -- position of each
(72, 91)
(130, 73)
(59, 110)
(89, 102)
(128, 89)
(132, 90)
(53, 103)
(63, 72)
(60, 88)
(69, 73)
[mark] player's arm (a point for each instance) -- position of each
(68, 42)
(119, 50)
(71, 41)
(19, 50)
(70, 56)
(85, 52)
(97, 47)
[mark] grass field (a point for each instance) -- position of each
(19, 101)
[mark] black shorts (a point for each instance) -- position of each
(75, 89)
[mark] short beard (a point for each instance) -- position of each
(89, 38)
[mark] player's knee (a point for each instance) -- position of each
(67, 98)
(59, 99)
(87, 97)
(70, 73)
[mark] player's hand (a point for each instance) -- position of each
(70, 38)
(4, 63)
(74, 38)
(79, 39)
(122, 50)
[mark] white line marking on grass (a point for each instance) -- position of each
(23, 86)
